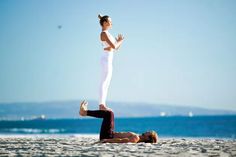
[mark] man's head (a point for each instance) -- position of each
(149, 137)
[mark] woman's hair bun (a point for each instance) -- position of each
(99, 16)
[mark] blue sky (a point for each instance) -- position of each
(175, 52)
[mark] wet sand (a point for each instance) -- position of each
(85, 145)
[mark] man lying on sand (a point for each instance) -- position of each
(107, 133)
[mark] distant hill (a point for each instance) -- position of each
(69, 109)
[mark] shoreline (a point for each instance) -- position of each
(88, 135)
(48, 135)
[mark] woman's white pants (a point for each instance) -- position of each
(106, 64)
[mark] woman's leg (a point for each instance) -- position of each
(105, 80)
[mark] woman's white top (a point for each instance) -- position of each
(105, 44)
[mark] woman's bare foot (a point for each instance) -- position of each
(83, 108)
(104, 107)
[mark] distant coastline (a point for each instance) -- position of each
(69, 109)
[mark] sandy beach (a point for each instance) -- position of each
(85, 145)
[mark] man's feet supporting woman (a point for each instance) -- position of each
(104, 107)
(83, 108)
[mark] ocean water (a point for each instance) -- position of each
(177, 126)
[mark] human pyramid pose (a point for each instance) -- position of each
(107, 133)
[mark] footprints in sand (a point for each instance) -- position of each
(84, 146)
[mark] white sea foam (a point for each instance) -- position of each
(48, 135)
(34, 131)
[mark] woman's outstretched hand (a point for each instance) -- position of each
(119, 40)
(120, 37)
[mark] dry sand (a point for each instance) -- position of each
(85, 145)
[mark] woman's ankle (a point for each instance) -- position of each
(104, 107)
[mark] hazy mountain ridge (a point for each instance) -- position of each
(69, 109)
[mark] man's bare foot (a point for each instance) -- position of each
(104, 107)
(83, 108)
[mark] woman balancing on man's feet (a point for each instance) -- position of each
(107, 133)
(109, 45)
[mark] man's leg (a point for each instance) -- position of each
(107, 126)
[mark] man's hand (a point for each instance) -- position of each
(103, 141)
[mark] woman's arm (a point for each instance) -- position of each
(105, 37)
(120, 37)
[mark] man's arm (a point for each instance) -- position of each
(132, 139)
